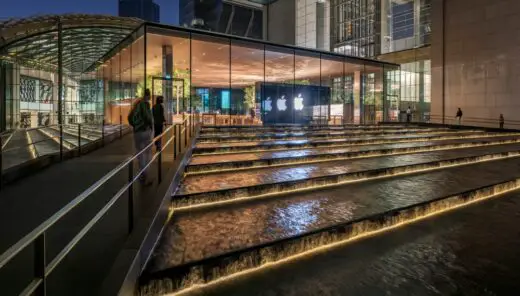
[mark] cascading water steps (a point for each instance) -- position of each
(235, 221)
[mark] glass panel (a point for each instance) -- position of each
(310, 104)
(277, 90)
(168, 70)
(211, 89)
(333, 79)
(247, 75)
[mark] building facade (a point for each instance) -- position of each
(239, 18)
(397, 31)
(70, 74)
(475, 61)
(146, 10)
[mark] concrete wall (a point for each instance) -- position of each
(475, 56)
(281, 22)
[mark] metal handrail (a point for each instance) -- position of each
(37, 236)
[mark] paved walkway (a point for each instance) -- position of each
(26, 204)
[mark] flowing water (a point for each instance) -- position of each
(277, 221)
(471, 251)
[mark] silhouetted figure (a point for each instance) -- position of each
(458, 116)
(158, 120)
(408, 115)
(141, 119)
(501, 120)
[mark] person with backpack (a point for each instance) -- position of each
(158, 119)
(141, 119)
(408, 115)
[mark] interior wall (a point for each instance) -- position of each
(475, 60)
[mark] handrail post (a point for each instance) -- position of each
(1, 163)
(185, 135)
(130, 196)
(40, 264)
(61, 142)
(79, 139)
(159, 167)
(120, 125)
(174, 135)
(103, 133)
(179, 149)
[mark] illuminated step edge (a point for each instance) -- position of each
(220, 167)
(266, 137)
(205, 130)
(232, 264)
(256, 133)
(239, 194)
(345, 143)
(56, 139)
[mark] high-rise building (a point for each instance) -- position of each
(313, 24)
(143, 9)
(397, 31)
(240, 18)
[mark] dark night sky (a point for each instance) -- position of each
(25, 8)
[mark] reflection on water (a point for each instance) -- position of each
(205, 183)
(457, 253)
(251, 156)
(415, 267)
(229, 228)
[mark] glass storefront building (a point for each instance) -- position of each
(76, 70)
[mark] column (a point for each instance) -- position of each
(358, 100)
(167, 82)
(14, 72)
(417, 22)
(385, 33)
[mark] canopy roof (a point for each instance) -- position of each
(85, 39)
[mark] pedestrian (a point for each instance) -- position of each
(408, 115)
(458, 116)
(501, 121)
(158, 120)
(252, 113)
(141, 119)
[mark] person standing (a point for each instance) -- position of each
(408, 115)
(141, 119)
(458, 116)
(158, 120)
(501, 120)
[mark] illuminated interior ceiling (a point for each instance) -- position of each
(86, 38)
(215, 64)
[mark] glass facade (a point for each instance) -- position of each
(244, 81)
(70, 77)
(248, 81)
(379, 28)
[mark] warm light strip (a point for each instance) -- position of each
(362, 179)
(365, 155)
(375, 142)
(334, 136)
(356, 237)
(31, 145)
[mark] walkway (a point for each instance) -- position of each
(27, 203)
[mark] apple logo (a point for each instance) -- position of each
(268, 105)
(298, 102)
(280, 103)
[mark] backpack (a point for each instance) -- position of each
(135, 117)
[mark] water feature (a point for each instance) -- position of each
(442, 255)
(312, 206)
